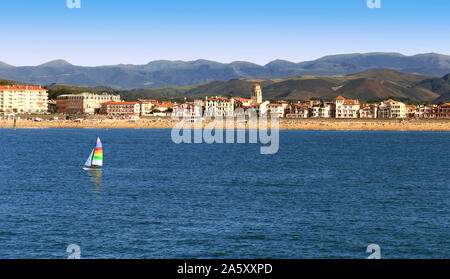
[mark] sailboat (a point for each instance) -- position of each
(95, 160)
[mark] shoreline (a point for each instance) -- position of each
(285, 124)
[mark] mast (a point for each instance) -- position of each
(89, 160)
(93, 152)
(92, 158)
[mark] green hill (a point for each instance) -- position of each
(441, 86)
(368, 85)
(365, 86)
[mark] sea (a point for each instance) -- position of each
(324, 194)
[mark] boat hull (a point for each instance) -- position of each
(91, 169)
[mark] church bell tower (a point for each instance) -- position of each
(256, 94)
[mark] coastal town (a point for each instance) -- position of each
(24, 99)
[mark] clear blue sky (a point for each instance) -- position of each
(106, 32)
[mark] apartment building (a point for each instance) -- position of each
(327, 110)
(276, 109)
(298, 111)
(242, 102)
(23, 99)
(347, 108)
(84, 103)
(410, 111)
(219, 106)
(286, 107)
(444, 111)
(368, 111)
(315, 110)
(323, 110)
(120, 109)
(164, 107)
(392, 109)
(188, 109)
(426, 111)
(146, 107)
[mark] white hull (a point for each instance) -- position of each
(91, 169)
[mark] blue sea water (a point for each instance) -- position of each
(325, 194)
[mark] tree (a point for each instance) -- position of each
(6, 82)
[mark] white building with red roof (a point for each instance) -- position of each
(276, 109)
(188, 109)
(146, 106)
(368, 111)
(298, 111)
(323, 110)
(219, 106)
(164, 107)
(347, 108)
(444, 111)
(242, 102)
(392, 109)
(426, 111)
(23, 99)
(280, 108)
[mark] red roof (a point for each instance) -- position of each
(350, 102)
(219, 98)
(371, 107)
(166, 105)
(389, 101)
(256, 85)
(119, 103)
(21, 87)
(340, 98)
(144, 102)
(242, 99)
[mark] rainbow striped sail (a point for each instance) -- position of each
(96, 157)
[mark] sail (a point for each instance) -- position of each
(97, 159)
(89, 160)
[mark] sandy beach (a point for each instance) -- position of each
(285, 124)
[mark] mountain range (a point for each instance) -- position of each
(372, 85)
(164, 73)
